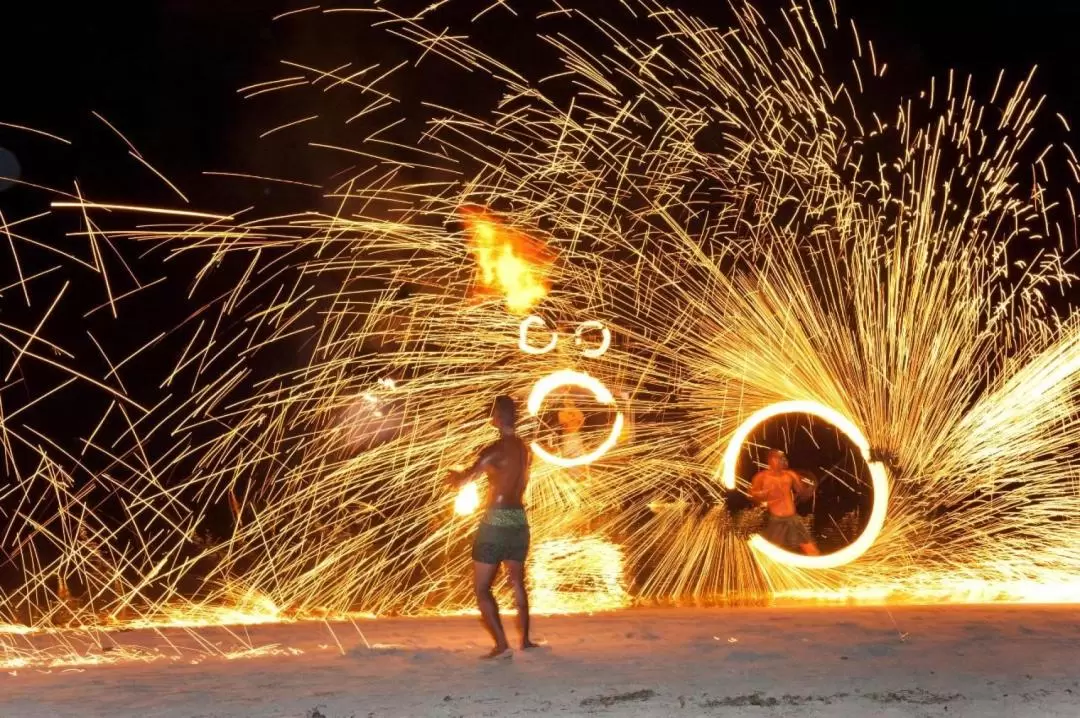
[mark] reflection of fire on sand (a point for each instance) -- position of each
(844, 662)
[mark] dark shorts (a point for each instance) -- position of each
(786, 531)
(503, 535)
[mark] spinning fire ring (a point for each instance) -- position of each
(879, 481)
(601, 393)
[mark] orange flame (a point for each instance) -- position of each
(509, 262)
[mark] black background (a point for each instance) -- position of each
(166, 72)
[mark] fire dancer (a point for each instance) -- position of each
(503, 533)
(776, 487)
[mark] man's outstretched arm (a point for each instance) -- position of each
(459, 478)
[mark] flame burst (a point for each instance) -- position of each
(748, 227)
(509, 263)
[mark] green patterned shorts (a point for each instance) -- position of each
(787, 532)
(503, 535)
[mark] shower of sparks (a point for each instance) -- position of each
(747, 227)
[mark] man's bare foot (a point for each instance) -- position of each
(497, 652)
(527, 644)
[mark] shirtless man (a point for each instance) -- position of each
(571, 419)
(503, 533)
(776, 487)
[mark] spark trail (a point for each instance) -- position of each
(722, 199)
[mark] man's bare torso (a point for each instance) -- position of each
(506, 463)
(776, 489)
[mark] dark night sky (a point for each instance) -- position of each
(166, 72)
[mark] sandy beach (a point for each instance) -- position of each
(909, 661)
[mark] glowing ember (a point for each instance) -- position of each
(509, 262)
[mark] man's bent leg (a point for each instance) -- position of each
(806, 542)
(516, 569)
(483, 576)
